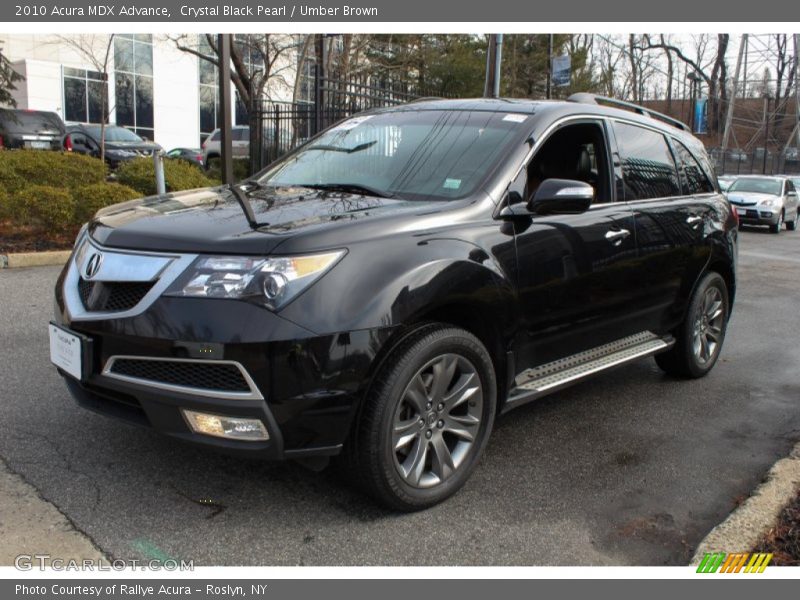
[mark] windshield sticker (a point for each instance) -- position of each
(515, 118)
(351, 123)
(451, 184)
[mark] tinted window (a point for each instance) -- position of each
(694, 179)
(24, 121)
(113, 134)
(241, 134)
(789, 186)
(647, 165)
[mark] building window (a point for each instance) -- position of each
(133, 66)
(83, 95)
(208, 78)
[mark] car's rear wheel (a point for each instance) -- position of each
(792, 225)
(698, 340)
(776, 228)
(426, 419)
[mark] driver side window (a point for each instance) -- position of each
(575, 152)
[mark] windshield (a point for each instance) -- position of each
(31, 121)
(411, 154)
(113, 134)
(755, 184)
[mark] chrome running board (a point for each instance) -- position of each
(549, 377)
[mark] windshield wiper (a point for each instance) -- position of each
(352, 188)
(247, 208)
(331, 148)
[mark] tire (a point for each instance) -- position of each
(793, 225)
(399, 449)
(706, 319)
(777, 227)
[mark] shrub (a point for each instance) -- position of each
(66, 170)
(5, 212)
(42, 206)
(241, 169)
(91, 198)
(139, 174)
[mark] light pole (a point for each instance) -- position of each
(766, 131)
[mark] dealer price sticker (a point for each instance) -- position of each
(65, 351)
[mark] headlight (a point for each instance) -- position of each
(770, 202)
(272, 281)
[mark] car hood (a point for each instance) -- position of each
(749, 198)
(211, 220)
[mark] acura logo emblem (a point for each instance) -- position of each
(93, 266)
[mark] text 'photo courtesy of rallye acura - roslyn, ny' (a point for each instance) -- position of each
(380, 294)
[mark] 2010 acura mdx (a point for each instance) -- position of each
(385, 290)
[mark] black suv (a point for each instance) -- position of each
(122, 144)
(385, 290)
(30, 129)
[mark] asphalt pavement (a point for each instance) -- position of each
(631, 468)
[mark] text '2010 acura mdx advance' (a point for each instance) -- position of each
(386, 289)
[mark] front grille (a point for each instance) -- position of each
(752, 214)
(205, 375)
(112, 296)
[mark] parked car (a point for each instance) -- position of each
(122, 144)
(192, 155)
(765, 200)
(240, 144)
(385, 290)
(32, 129)
(725, 181)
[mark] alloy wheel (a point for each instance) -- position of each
(437, 420)
(708, 326)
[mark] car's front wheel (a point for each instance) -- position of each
(698, 340)
(426, 419)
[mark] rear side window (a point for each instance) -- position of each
(694, 178)
(648, 168)
(241, 134)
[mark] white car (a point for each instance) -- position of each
(240, 144)
(765, 200)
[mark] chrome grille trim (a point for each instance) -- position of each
(129, 266)
(253, 394)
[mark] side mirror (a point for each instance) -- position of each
(561, 196)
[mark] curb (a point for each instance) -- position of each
(752, 520)
(34, 259)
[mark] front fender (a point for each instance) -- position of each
(400, 282)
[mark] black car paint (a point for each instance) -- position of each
(533, 288)
(112, 148)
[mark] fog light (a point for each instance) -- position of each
(235, 428)
(766, 214)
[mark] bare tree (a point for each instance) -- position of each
(95, 50)
(714, 75)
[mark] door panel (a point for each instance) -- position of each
(574, 282)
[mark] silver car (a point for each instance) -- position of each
(765, 200)
(240, 144)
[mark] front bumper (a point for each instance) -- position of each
(305, 388)
(751, 215)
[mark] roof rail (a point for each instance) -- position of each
(586, 98)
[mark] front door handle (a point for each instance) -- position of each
(615, 236)
(694, 221)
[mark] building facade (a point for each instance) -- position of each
(153, 87)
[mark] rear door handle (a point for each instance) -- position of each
(615, 236)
